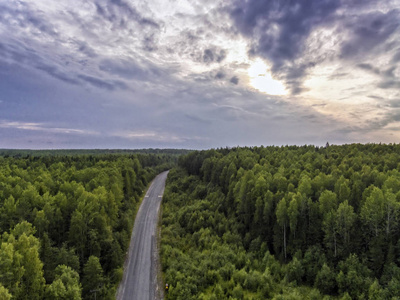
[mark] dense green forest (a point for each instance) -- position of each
(66, 219)
(75, 152)
(284, 223)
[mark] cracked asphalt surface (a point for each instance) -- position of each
(139, 281)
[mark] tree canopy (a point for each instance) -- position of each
(292, 222)
(66, 219)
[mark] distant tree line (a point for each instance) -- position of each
(66, 220)
(74, 152)
(284, 223)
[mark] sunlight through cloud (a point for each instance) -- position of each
(262, 80)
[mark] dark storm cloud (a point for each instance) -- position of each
(79, 79)
(33, 40)
(294, 76)
(27, 18)
(150, 43)
(124, 16)
(388, 79)
(389, 73)
(369, 67)
(208, 56)
(278, 31)
(129, 69)
(396, 57)
(234, 80)
(84, 48)
(375, 97)
(338, 74)
(369, 31)
(221, 56)
(220, 75)
(56, 73)
(114, 10)
(22, 55)
(389, 84)
(214, 75)
(295, 20)
(394, 103)
(122, 68)
(213, 55)
(17, 52)
(379, 123)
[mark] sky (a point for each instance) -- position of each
(198, 74)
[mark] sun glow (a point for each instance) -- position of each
(262, 80)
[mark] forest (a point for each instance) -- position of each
(66, 219)
(76, 152)
(290, 222)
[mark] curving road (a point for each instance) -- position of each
(140, 271)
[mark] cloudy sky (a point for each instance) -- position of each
(198, 74)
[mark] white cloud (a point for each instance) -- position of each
(29, 126)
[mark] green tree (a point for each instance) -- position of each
(325, 280)
(344, 191)
(282, 219)
(4, 294)
(330, 228)
(391, 212)
(353, 277)
(346, 296)
(345, 221)
(327, 202)
(375, 291)
(313, 260)
(295, 270)
(78, 233)
(293, 212)
(41, 223)
(305, 187)
(20, 262)
(373, 211)
(11, 269)
(237, 292)
(8, 213)
(93, 279)
(65, 285)
(259, 192)
(32, 282)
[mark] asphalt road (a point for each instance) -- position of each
(140, 271)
